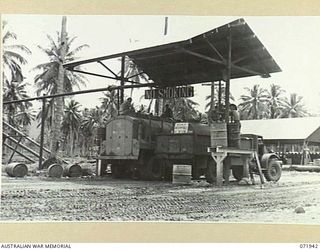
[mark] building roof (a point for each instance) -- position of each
(306, 128)
(201, 58)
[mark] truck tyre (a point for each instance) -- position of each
(168, 169)
(211, 171)
(237, 172)
(273, 171)
(154, 169)
(118, 171)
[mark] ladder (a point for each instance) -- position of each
(12, 139)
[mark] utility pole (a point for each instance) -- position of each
(58, 102)
(165, 25)
(160, 103)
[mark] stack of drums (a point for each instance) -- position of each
(218, 134)
(181, 174)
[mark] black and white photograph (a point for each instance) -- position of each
(160, 118)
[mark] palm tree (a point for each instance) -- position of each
(47, 81)
(25, 117)
(132, 72)
(92, 119)
(52, 75)
(253, 105)
(183, 109)
(12, 59)
(71, 123)
(109, 103)
(15, 91)
(216, 97)
(275, 101)
(293, 107)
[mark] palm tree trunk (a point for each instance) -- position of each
(58, 101)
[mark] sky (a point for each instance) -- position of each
(294, 43)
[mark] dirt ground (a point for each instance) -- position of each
(35, 198)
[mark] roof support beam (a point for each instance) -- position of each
(140, 73)
(99, 75)
(106, 67)
(247, 70)
(223, 63)
(109, 88)
(203, 56)
(241, 59)
(215, 49)
(147, 57)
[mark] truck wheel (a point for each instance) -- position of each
(273, 171)
(118, 171)
(168, 168)
(154, 168)
(196, 173)
(237, 172)
(211, 171)
(199, 167)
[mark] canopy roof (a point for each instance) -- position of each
(202, 58)
(306, 128)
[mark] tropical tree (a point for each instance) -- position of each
(293, 107)
(18, 114)
(92, 119)
(54, 79)
(254, 104)
(47, 80)
(109, 103)
(132, 72)
(71, 123)
(12, 56)
(216, 97)
(14, 91)
(184, 109)
(25, 117)
(275, 101)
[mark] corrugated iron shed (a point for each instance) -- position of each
(306, 128)
(202, 58)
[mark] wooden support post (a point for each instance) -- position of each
(123, 61)
(218, 158)
(118, 101)
(43, 119)
(212, 97)
(219, 98)
(227, 90)
(259, 168)
(227, 170)
(245, 161)
(98, 167)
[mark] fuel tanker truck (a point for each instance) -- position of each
(146, 147)
(127, 145)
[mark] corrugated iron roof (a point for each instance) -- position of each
(284, 129)
(201, 58)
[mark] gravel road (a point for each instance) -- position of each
(35, 198)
